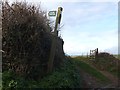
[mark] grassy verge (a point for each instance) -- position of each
(92, 71)
(0, 80)
(64, 77)
(104, 63)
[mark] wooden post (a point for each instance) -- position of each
(54, 41)
(96, 53)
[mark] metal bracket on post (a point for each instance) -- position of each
(54, 41)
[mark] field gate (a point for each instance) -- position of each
(94, 53)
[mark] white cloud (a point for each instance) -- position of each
(87, 41)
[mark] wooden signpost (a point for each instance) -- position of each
(54, 39)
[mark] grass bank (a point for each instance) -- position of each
(66, 76)
(92, 71)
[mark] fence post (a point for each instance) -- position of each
(96, 53)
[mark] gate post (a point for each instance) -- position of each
(96, 53)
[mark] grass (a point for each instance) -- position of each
(66, 76)
(92, 71)
(104, 63)
(0, 80)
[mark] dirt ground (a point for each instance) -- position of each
(89, 81)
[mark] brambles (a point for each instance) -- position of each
(26, 40)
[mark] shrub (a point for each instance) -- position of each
(26, 40)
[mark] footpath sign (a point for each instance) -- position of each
(53, 46)
(52, 13)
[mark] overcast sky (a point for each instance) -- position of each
(87, 25)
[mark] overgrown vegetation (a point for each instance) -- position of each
(65, 77)
(26, 44)
(26, 41)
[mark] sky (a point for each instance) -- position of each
(86, 25)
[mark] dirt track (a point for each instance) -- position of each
(92, 82)
(89, 81)
(114, 80)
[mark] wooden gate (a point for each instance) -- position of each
(94, 53)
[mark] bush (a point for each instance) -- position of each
(26, 40)
(65, 77)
